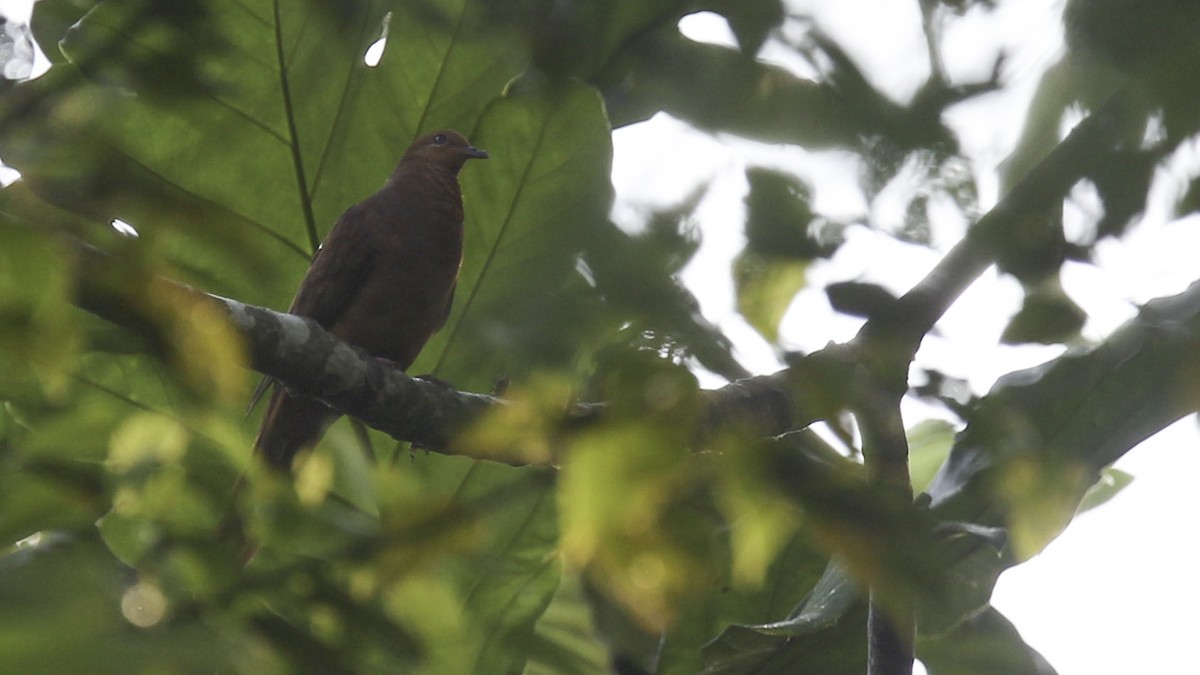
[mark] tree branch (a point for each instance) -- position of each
(311, 362)
(888, 342)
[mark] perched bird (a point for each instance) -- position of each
(383, 280)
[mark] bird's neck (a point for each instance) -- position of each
(431, 191)
(425, 174)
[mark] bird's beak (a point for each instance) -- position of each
(477, 153)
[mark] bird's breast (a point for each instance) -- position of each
(416, 235)
(406, 297)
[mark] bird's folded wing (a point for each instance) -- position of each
(339, 269)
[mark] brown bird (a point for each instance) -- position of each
(383, 280)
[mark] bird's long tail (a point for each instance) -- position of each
(291, 424)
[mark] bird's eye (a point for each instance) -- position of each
(440, 139)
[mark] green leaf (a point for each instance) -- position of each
(708, 614)
(987, 643)
(766, 287)
(45, 499)
(529, 211)
(635, 276)
(929, 443)
(488, 534)
(566, 640)
(1111, 483)
(271, 126)
(1042, 436)
(510, 592)
(825, 633)
(1047, 316)
(39, 330)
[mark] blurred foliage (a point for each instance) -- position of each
(1118, 51)
(138, 535)
(783, 236)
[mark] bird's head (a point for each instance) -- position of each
(446, 148)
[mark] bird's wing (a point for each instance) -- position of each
(449, 306)
(339, 269)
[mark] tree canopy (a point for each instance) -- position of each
(564, 497)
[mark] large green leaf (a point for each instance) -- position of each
(566, 640)
(1041, 438)
(509, 571)
(824, 633)
(529, 212)
(271, 127)
(986, 643)
(793, 572)
(38, 329)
